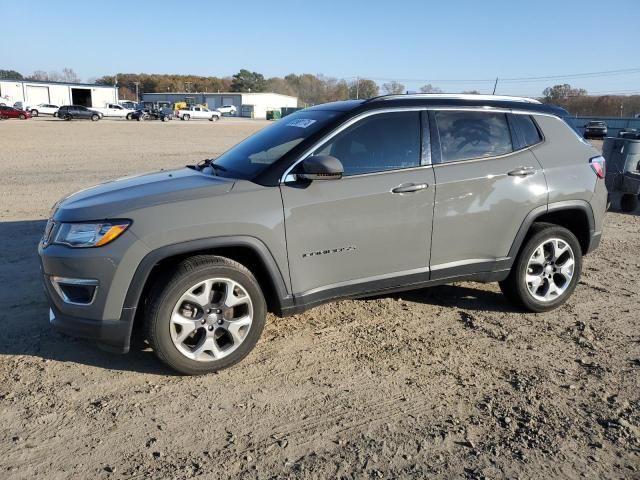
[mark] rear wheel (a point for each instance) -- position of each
(629, 202)
(207, 316)
(546, 270)
(129, 116)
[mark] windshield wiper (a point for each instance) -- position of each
(208, 162)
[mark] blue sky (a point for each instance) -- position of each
(414, 41)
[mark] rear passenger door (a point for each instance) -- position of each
(487, 181)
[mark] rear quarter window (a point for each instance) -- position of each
(527, 130)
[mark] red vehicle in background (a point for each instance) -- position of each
(10, 112)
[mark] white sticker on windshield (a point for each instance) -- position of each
(301, 122)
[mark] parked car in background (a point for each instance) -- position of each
(199, 113)
(115, 110)
(128, 104)
(164, 114)
(11, 112)
(44, 109)
(227, 109)
(78, 112)
(595, 129)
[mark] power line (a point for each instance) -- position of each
(602, 73)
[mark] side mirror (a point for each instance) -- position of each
(321, 167)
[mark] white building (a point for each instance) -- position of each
(57, 93)
(252, 105)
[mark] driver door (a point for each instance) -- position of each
(372, 228)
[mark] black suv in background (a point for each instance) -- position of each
(74, 112)
(595, 129)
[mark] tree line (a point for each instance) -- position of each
(314, 89)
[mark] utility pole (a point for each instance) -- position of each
(495, 85)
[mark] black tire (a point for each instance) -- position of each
(67, 117)
(95, 117)
(629, 203)
(22, 116)
(186, 117)
(34, 113)
(515, 287)
(129, 115)
(55, 114)
(214, 118)
(167, 292)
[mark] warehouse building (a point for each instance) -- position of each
(57, 93)
(251, 105)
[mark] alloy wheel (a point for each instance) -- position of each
(211, 319)
(550, 270)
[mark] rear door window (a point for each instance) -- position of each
(467, 135)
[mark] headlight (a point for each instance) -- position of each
(81, 235)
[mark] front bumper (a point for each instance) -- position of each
(112, 335)
(105, 318)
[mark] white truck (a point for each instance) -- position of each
(199, 113)
(114, 110)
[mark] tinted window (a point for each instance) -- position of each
(465, 135)
(377, 143)
(527, 129)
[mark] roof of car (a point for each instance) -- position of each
(445, 100)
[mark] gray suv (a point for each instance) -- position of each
(346, 199)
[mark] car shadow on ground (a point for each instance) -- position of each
(24, 311)
(25, 321)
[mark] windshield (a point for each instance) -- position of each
(253, 155)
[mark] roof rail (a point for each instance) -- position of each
(455, 96)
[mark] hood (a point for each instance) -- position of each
(118, 198)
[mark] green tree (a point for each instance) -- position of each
(12, 74)
(246, 81)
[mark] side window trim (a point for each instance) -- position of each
(517, 139)
(425, 139)
(436, 152)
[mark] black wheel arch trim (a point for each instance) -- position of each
(552, 207)
(141, 275)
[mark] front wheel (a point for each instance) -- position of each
(214, 118)
(95, 118)
(186, 117)
(34, 113)
(207, 316)
(22, 116)
(546, 270)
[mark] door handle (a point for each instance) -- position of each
(522, 172)
(410, 187)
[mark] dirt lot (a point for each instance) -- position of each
(450, 382)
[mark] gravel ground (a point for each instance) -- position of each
(449, 382)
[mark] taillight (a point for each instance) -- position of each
(598, 166)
